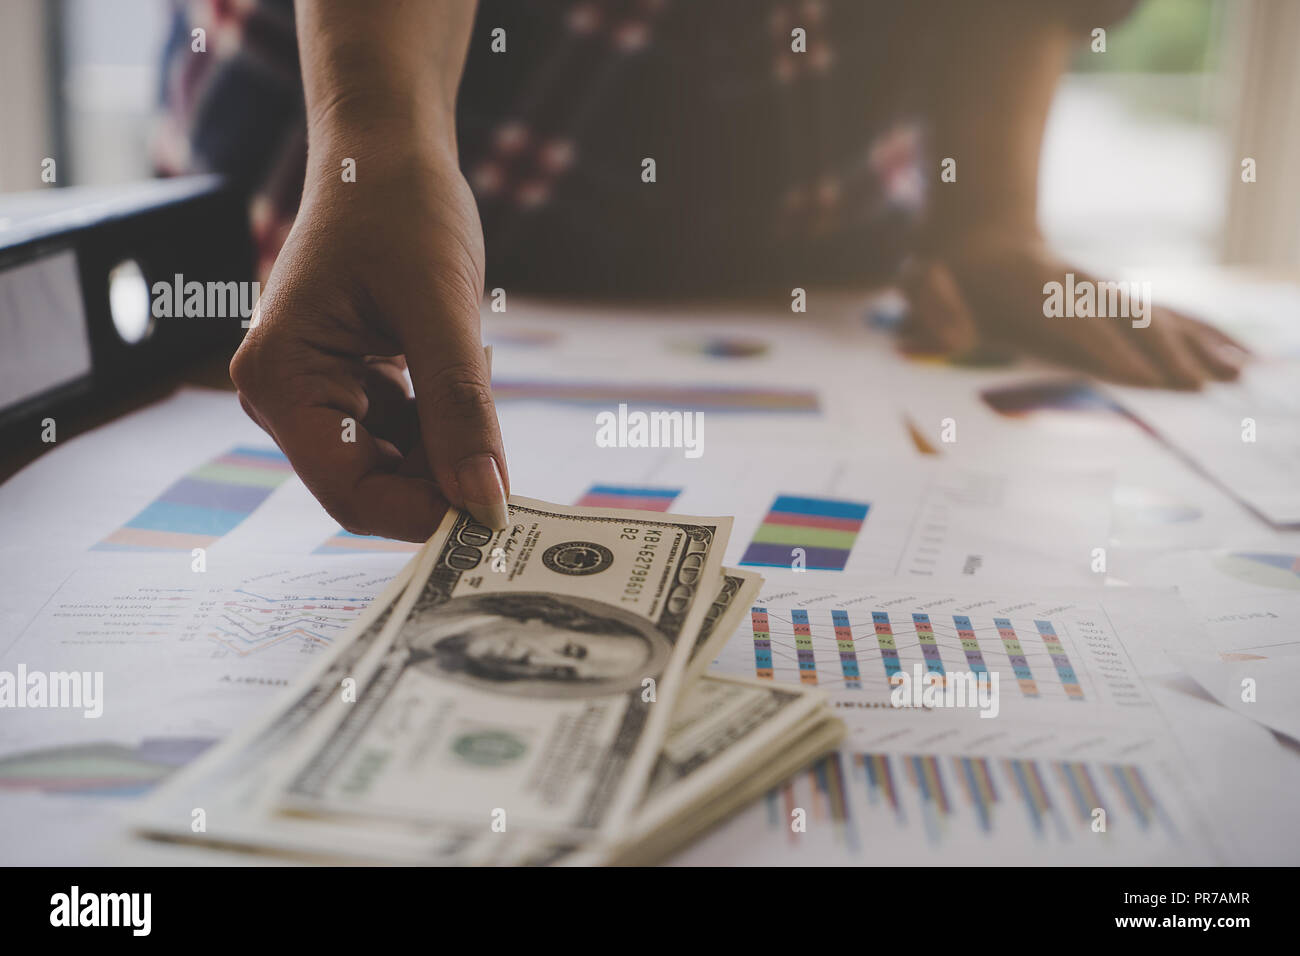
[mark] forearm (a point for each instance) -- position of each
(988, 86)
(383, 71)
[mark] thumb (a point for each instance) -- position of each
(458, 419)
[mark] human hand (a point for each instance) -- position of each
(378, 276)
(989, 289)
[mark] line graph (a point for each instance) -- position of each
(185, 657)
(285, 612)
(254, 622)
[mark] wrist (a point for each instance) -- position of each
(383, 76)
(383, 143)
(382, 114)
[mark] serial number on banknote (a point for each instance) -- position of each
(642, 561)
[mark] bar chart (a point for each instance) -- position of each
(814, 533)
(869, 651)
(638, 498)
(859, 799)
(205, 504)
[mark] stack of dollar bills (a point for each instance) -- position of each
(535, 695)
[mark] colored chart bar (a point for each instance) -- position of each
(762, 643)
(880, 782)
(1077, 780)
(824, 529)
(969, 644)
(626, 497)
(974, 774)
(888, 646)
(345, 542)
(830, 800)
(1049, 791)
(848, 656)
(100, 769)
(1128, 780)
(924, 774)
(828, 777)
(1061, 662)
(929, 647)
(1016, 654)
(659, 397)
(803, 647)
(1032, 790)
(204, 505)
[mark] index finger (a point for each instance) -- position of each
(356, 481)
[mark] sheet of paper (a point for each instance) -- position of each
(843, 510)
(190, 471)
(183, 658)
(177, 659)
(1261, 690)
(1189, 469)
(755, 374)
(1267, 566)
(803, 440)
(1082, 726)
(1245, 435)
(1249, 627)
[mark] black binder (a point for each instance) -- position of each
(79, 263)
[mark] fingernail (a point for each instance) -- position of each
(484, 494)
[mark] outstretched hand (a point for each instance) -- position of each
(990, 289)
(378, 276)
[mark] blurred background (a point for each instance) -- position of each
(1141, 165)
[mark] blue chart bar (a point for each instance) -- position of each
(969, 644)
(848, 655)
(888, 646)
(803, 647)
(762, 643)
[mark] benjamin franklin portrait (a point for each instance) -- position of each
(536, 645)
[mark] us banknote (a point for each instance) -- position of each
(233, 783)
(526, 676)
(226, 797)
(729, 607)
(732, 740)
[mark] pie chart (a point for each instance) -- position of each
(1262, 568)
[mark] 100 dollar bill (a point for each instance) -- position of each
(527, 675)
(729, 607)
(234, 782)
